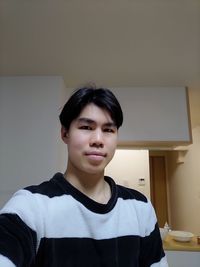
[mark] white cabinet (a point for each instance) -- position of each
(183, 258)
(154, 116)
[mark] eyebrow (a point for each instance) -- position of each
(90, 121)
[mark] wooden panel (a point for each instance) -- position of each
(159, 188)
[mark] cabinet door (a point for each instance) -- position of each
(154, 116)
(183, 258)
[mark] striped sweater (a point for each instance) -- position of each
(55, 225)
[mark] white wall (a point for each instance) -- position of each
(128, 166)
(31, 148)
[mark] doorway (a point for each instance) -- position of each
(158, 188)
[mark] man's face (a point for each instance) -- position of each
(91, 140)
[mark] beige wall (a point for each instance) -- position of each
(184, 186)
(184, 176)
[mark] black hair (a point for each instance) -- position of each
(101, 97)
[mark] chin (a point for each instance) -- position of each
(94, 170)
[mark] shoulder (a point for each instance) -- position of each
(125, 192)
(136, 199)
(48, 188)
(30, 203)
(129, 193)
(134, 202)
(142, 209)
(141, 203)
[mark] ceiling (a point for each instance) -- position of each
(112, 43)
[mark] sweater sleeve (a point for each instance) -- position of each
(17, 241)
(151, 248)
(17, 238)
(4, 261)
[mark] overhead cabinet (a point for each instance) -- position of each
(154, 116)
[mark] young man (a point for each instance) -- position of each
(82, 218)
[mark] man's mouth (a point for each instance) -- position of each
(95, 155)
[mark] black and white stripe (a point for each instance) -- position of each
(63, 227)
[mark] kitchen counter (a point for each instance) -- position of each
(170, 244)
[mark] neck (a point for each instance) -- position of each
(92, 185)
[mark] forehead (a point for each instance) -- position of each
(95, 113)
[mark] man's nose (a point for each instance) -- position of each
(97, 138)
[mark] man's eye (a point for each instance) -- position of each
(85, 127)
(109, 130)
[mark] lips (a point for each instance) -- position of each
(95, 156)
(95, 153)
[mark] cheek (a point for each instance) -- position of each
(77, 142)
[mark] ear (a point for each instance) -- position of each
(64, 134)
